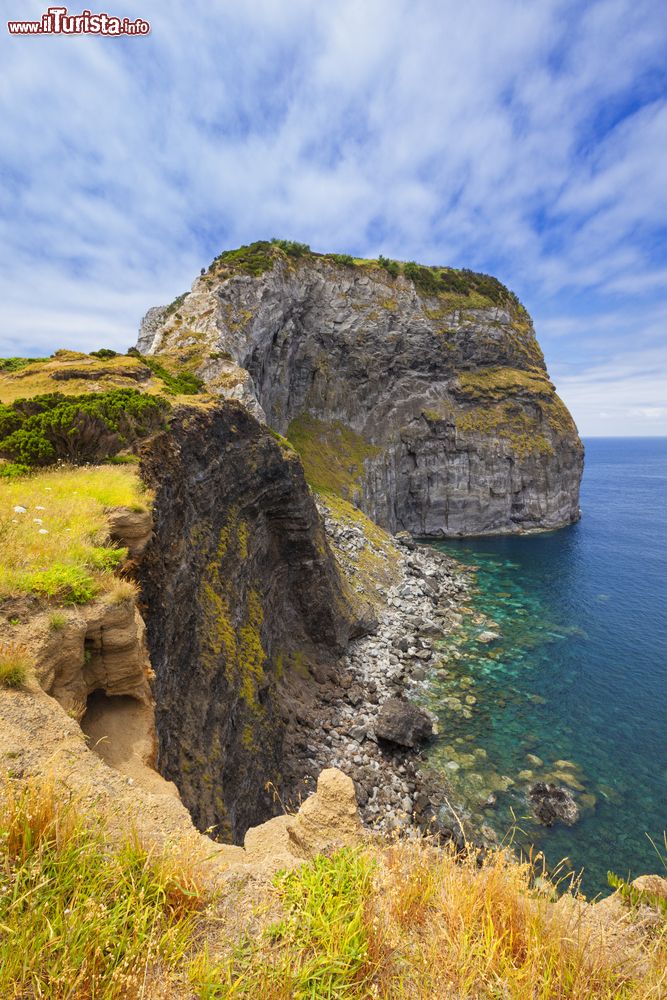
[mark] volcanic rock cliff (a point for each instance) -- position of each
(245, 611)
(420, 394)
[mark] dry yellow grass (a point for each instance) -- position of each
(16, 664)
(84, 919)
(54, 534)
(89, 375)
(409, 922)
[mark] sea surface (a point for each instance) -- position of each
(578, 676)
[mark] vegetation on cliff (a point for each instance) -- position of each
(73, 373)
(80, 918)
(407, 920)
(54, 531)
(466, 288)
(77, 429)
(84, 916)
(333, 455)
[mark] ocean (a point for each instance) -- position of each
(575, 687)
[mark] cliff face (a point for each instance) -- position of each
(244, 608)
(434, 408)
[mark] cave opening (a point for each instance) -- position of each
(120, 729)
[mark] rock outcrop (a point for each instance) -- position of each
(403, 723)
(245, 610)
(431, 410)
(99, 647)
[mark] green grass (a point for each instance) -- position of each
(408, 921)
(80, 918)
(57, 548)
(319, 950)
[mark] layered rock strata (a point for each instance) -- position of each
(435, 409)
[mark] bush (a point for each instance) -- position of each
(422, 277)
(104, 354)
(291, 247)
(253, 259)
(16, 364)
(70, 584)
(12, 470)
(342, 258)
(77, 429)
(392, 266)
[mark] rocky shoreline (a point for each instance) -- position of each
(395, 788)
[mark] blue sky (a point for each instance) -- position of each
(526, 139)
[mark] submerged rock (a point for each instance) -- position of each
(402, 722)
(553, 804)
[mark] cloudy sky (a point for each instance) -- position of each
(525, 138)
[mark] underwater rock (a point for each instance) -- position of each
(553, 804)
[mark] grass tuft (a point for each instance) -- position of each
(15, 664)
(121, 591)
(80, 919)
(57, 621)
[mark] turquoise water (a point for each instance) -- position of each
(578, 675)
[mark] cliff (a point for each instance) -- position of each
(245, 612)
(420, 394)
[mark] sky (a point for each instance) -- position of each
(522, 138)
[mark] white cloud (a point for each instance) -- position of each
(524, 139)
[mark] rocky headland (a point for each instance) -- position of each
(419, 393)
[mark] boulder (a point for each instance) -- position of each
(403, 723)
(553, 804)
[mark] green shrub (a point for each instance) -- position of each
(291, 247)
(77, 429)
(13, 470)
(70, 584)
(104, 354)
(253, 259)
(392, 266)
(422, 277)
(105, 558)
(16, 364)
(342, 258)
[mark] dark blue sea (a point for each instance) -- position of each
(575, 688)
